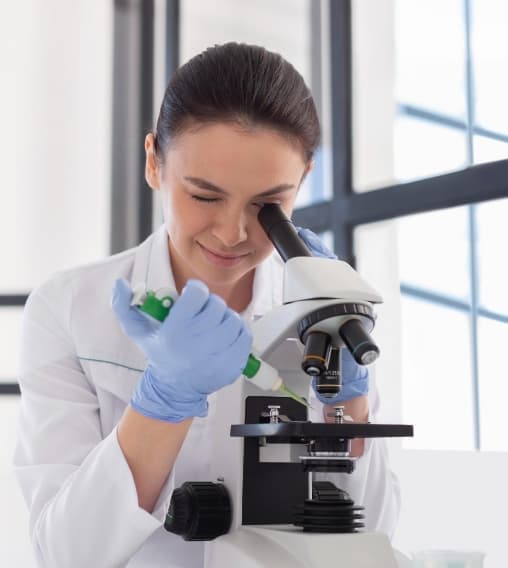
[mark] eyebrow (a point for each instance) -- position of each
(203, 184)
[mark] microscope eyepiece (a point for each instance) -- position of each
(282, 232)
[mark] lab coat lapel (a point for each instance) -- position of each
(116, 365)
(267, 288)
(151, 263)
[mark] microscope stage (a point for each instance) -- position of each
(298, 432)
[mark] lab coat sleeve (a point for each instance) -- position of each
(373, 484)
(78, 486)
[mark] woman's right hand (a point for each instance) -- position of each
(200, 347)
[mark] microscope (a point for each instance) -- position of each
(263, 506)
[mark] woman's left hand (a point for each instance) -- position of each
(315, 244)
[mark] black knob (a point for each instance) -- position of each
(199, 510)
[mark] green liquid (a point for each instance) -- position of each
(283, 388)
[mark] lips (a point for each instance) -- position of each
(220, 258)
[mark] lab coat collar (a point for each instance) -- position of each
(152, 266)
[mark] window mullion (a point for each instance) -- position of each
(474, 324)
(473, 252)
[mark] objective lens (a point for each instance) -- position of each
(315, 355)
(329, 383)
(359, 342)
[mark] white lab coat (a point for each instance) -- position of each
(77, 373)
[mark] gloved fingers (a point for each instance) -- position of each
(121, 296)
(316, 245)
(310, 238)
(242, 347)
(237, 356)
(228, 331)
(193, 298)
(210, 316)
(236, 343)
(133, 323)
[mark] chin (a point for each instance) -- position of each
(222, 278)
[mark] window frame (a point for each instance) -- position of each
(348, 209)
(11, 387)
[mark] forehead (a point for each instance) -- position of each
(229, 148)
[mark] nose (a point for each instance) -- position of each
(230, 228)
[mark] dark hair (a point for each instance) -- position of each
(240, 83)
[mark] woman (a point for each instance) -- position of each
(115, 412)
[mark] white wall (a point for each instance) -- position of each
(15, 548)
(55, 112)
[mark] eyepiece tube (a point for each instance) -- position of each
(359, 342)
(282, 232)
(315, 355)
(329, 383)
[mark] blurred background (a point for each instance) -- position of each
(410, 185)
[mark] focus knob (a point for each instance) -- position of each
(199, 510)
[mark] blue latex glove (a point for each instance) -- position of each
(355, 378)
(315, 244)
(200, 347)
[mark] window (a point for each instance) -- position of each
(446, 102)
(55, 160)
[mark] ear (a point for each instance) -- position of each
(152, 168)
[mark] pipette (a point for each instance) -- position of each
(267, 377)
(158, 305)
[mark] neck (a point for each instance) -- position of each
(239, 295)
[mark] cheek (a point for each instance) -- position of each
(262, 243)
(178, 213)
(168, 209)
(186, 223)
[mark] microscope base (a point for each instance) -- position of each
(285, 546)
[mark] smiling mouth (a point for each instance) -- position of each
(222, 255)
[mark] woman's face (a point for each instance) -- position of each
(214, 180)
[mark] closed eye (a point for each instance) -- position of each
(205, 199)
(202, 199)
(263, 203)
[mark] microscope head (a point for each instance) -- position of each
(336, 304)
